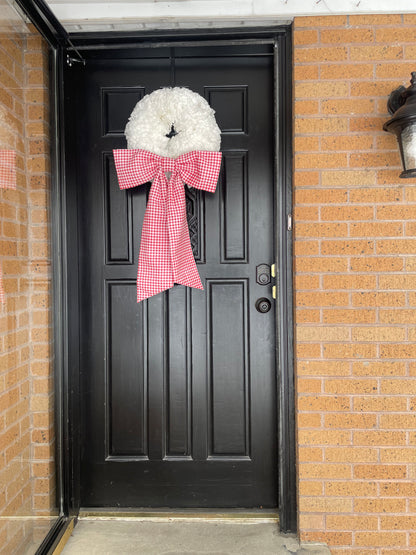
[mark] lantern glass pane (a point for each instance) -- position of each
(409, 146)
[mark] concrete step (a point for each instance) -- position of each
(183, 536)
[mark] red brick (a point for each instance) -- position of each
(354, 282)
(347, 36)
(345, 522)
(321, 264)
(379, 368)
(322, 54)
(377, 505)
(380, 538)
(350, 386)
(324, 437)
(350, 454)
(349, 350)
(380, 471)
(320, 196)
(375, 194)
(323, 368)
(378, 299)
(320, 21)
(347, 247)
(347, 71)
(325, 471)
(347, 213)
(378, 438)
(377, 264)
(348, 316)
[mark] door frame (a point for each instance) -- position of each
(65, 254)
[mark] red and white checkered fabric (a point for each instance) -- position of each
(2, 297)
(8, 169)
(7, 181)
(166, 256)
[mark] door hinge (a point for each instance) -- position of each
(289, 222)
(273, 270)
(274, 291)
(70, 60)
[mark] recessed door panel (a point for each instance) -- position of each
(228, 367)
(126, 379)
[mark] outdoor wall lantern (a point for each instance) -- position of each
(402, 106)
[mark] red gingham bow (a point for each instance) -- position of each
(7, 181)
(2, 298)
(166, 256)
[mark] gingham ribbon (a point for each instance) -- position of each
(7, 181)
(166, 256)
(2, 298)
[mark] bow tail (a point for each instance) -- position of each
(2, 297)
(186, 272)
(184, 268)
(154, 273)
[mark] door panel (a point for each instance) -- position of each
(178, 391)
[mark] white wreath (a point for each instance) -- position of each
(158, 116)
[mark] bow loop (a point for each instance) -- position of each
(200, 169)
(166, 256)
(135, 167)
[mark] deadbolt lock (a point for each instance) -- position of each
(263, 276)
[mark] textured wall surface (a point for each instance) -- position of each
(26, 389)
(355, 265)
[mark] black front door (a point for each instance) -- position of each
(178, 393)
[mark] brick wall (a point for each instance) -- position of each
(26, 403)
(41, 359)
(355, 272)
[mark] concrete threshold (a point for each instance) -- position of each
(248, 516)
(167, 532)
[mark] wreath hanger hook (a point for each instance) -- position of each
(172, 132)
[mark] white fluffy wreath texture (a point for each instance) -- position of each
(190, 114)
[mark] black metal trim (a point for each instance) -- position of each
(45, 21)
(66, 237)
(90, 46)
(39, 14)
(284, 285)
(56, 284)
(117, 39)
(60, 286)
(52, 31)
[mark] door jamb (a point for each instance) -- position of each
(284, 286)
(65, 258)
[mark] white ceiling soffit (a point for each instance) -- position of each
(89, 15)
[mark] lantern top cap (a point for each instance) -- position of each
(402, 96)
(411, 90)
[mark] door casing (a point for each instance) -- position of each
(65, 255)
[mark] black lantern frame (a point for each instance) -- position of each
(402, 106)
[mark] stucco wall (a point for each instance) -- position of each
(355, 272)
